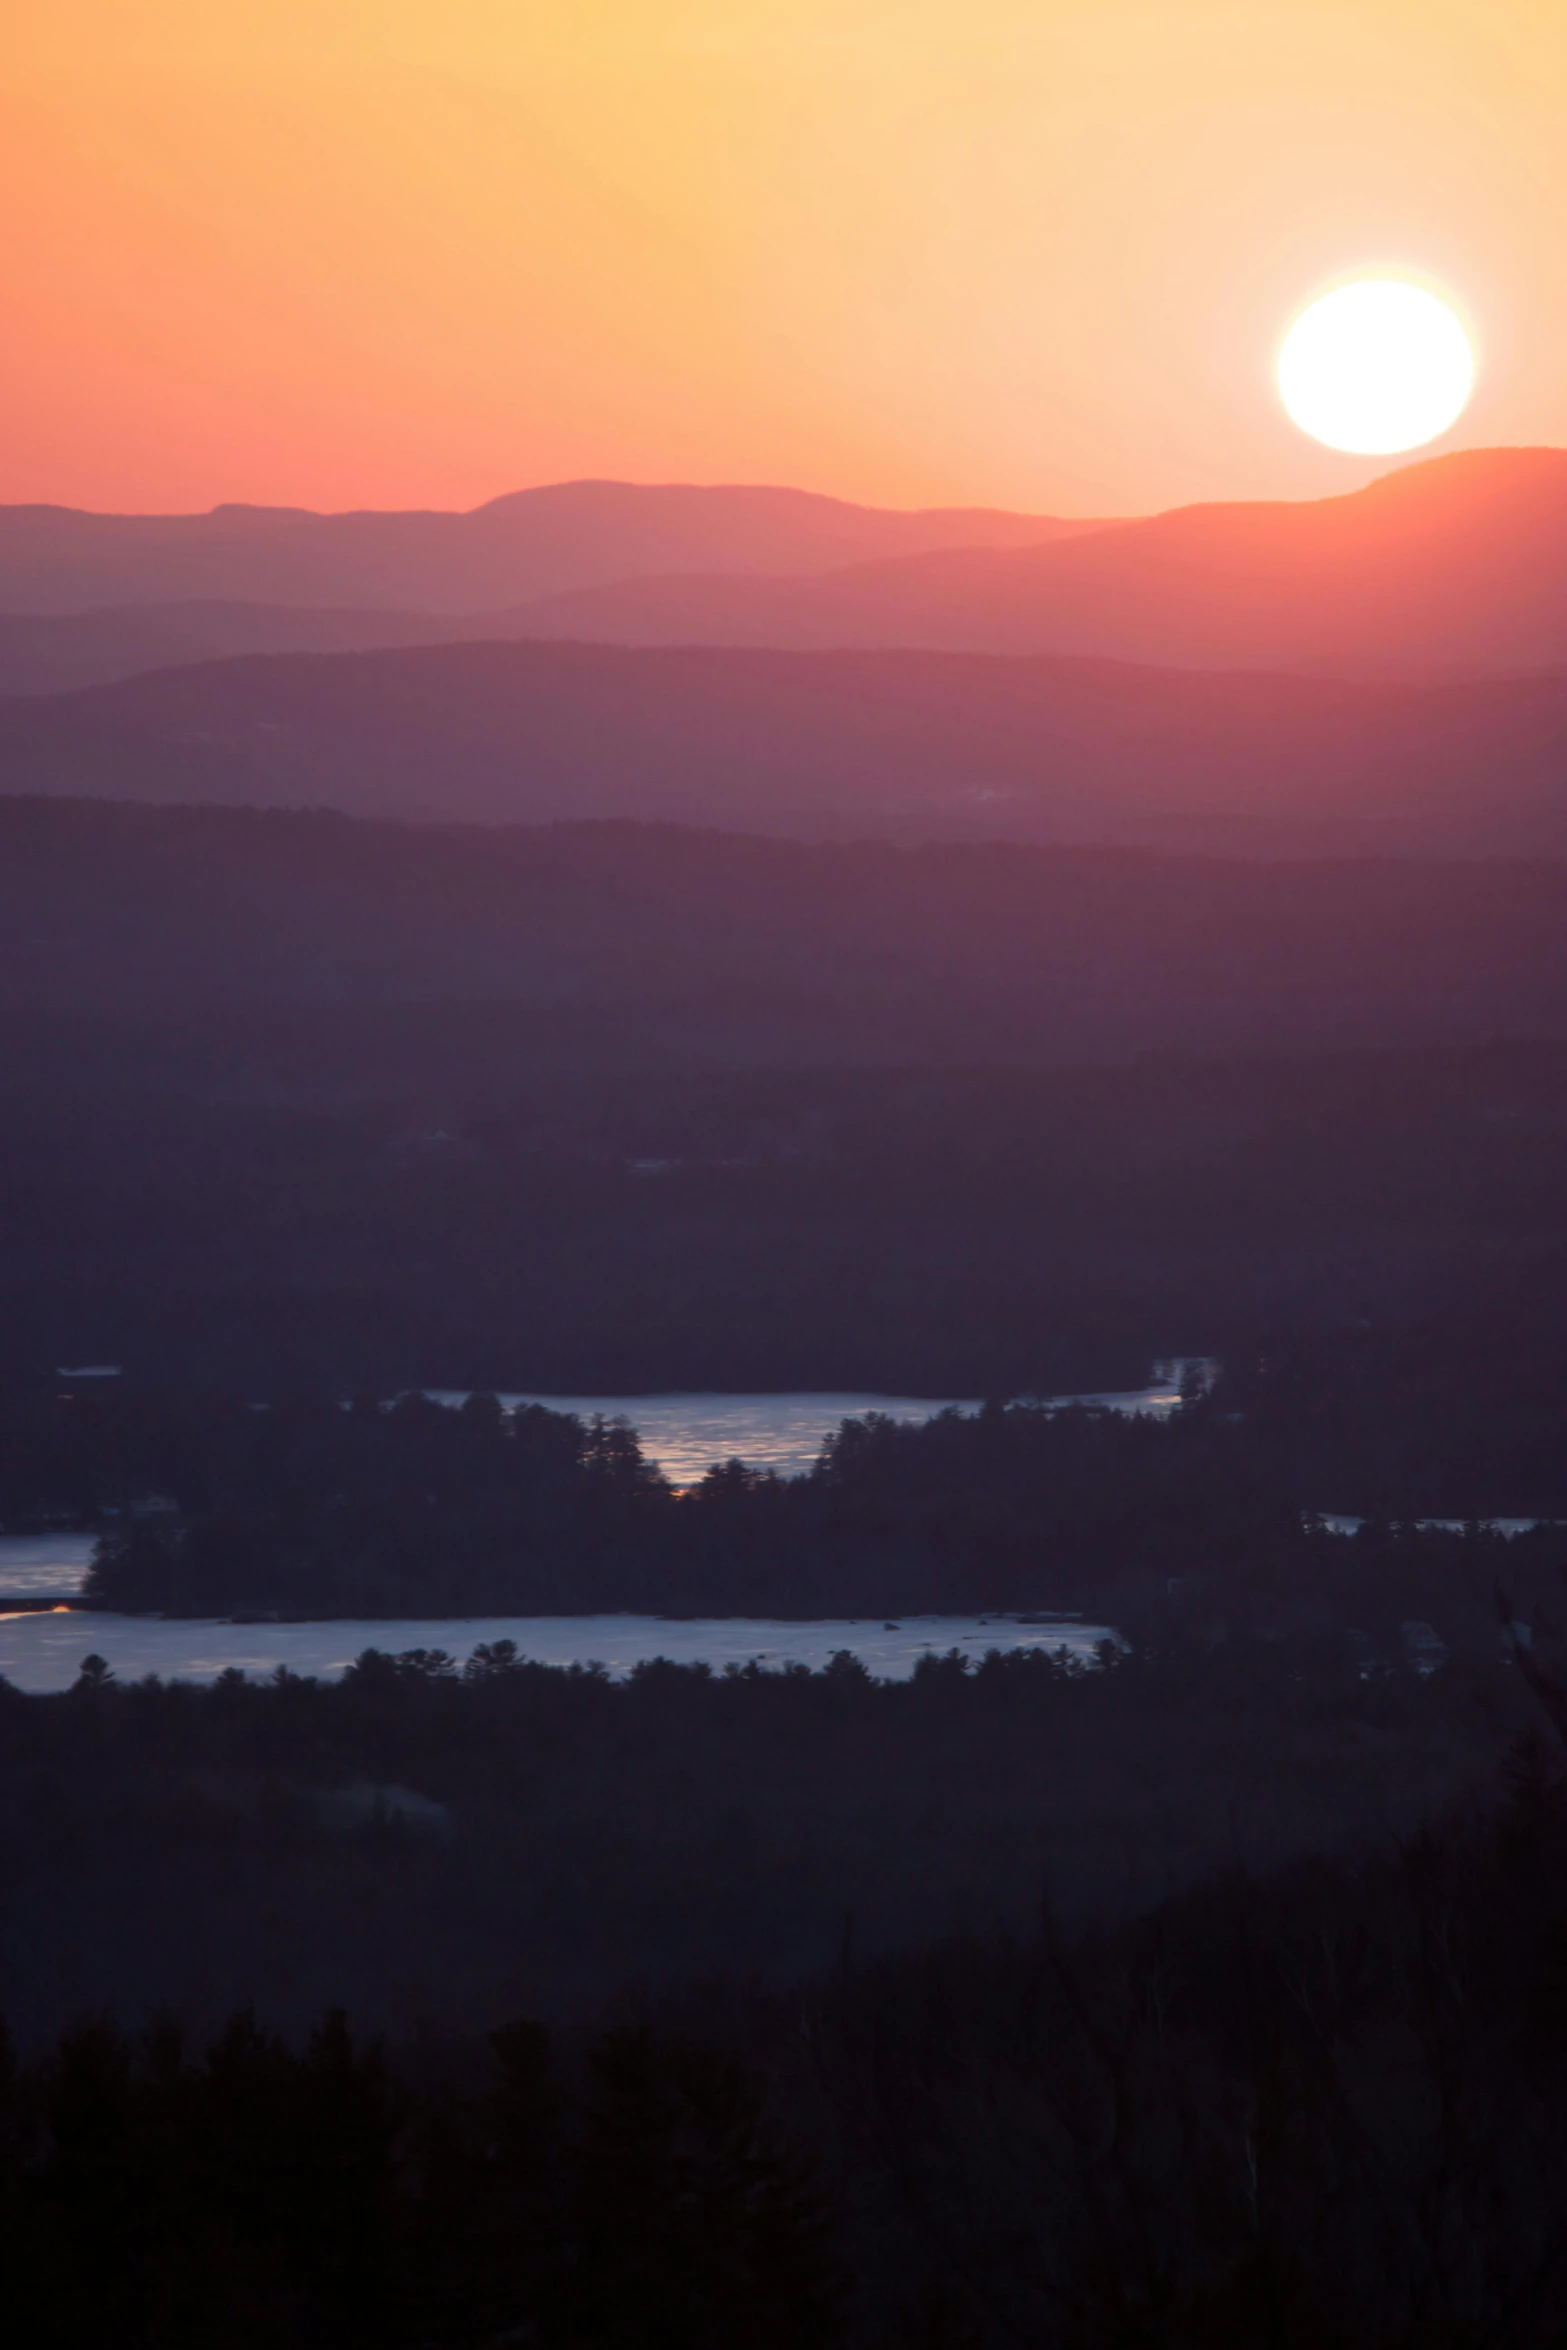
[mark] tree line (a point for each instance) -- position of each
(433, 1510)
(631, 2191)
(1328, 2106)
(437, 1843)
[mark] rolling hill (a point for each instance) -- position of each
(295, 1102)
(537, 542)
(56, 652)
(393, 949)
(901, 745)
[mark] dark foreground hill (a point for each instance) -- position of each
(907, 745)
(1325, 2108)
(533, 543)
(290, 1098)
(603, 1840)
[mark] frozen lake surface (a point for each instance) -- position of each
(43, 1651)
(43, 1565)
(1507, 1526)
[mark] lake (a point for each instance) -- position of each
(44, 1650)
(46, 1566)
(684, 1434)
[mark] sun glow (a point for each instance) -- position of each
(1376, 367)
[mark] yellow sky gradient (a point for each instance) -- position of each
(419, 252)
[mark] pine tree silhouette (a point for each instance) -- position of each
(699, 2228)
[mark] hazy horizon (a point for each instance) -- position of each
(1373, 470)
(333, 257)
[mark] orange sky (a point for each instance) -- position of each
(402, 252)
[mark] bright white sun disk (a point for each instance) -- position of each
(1376, 367)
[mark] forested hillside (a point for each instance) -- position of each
(910, 746)
(292, 1100)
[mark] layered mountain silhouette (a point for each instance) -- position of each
(1450, 569)
(905, 745)
(538, 542)
(1455, 567)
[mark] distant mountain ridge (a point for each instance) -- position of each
(532, 543)
(897, 745)
(1453, 567)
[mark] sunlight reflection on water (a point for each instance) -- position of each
(686, 1434)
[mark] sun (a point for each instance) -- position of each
(1375, 367)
